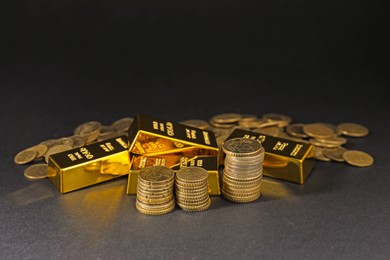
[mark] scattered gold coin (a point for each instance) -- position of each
(318, 130)
(358, 158)
(352, 129)
(25, 156)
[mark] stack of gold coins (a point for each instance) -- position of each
(192, 191)
(155, 190)
(243, 171)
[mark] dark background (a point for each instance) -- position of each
(63, 63)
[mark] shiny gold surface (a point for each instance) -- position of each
(152, 136)
(88, 165)
(154, 141)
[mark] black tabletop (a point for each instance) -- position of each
(66, 63)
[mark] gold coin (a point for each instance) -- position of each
(240, 185)
(352, 129)
(242, 147)
(153, 200)
(41, 150)
(318, 130)
(226, 118)
(247, 199)
(182, 196)
(156, 175)
(195, 207)
(283, 120)
(192, 189)
(316, 142)
(358, 158)
(156, 187)
(148, 210)
(36, 171)
(240, 193)
(192, 174)
(201, 124)
(49, 143)
(335, 140)
(296, 130)
(270, 130)
(243, 179)
(319, 154)
(25, 156)
(56, 149)
(247, 118)
(336, 154)
(121, 125)
(220, 125)
(66, 141)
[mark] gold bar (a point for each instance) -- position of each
(284, 159)
(91, 164)
(175, 162)
(155, 141)
(153, 136)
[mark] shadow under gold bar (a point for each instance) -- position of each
(175, 162)
(89, 165)
(284, 159)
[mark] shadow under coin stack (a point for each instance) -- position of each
(243, 170)
(192, 189)
(155, 190)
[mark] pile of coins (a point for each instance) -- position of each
(192, 189)
(243, 170)
(85, 133)
(155, 194)
(328, 140)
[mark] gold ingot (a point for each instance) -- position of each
(154, 136)
(90, 164)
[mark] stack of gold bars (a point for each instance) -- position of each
(178, 163)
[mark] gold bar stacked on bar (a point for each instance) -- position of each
(90, 164)
(284, 159)
(155, 141)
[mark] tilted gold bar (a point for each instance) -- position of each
(155, 141)
(284, 159)
(175, 162)
(91, 164)
(153, 136)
